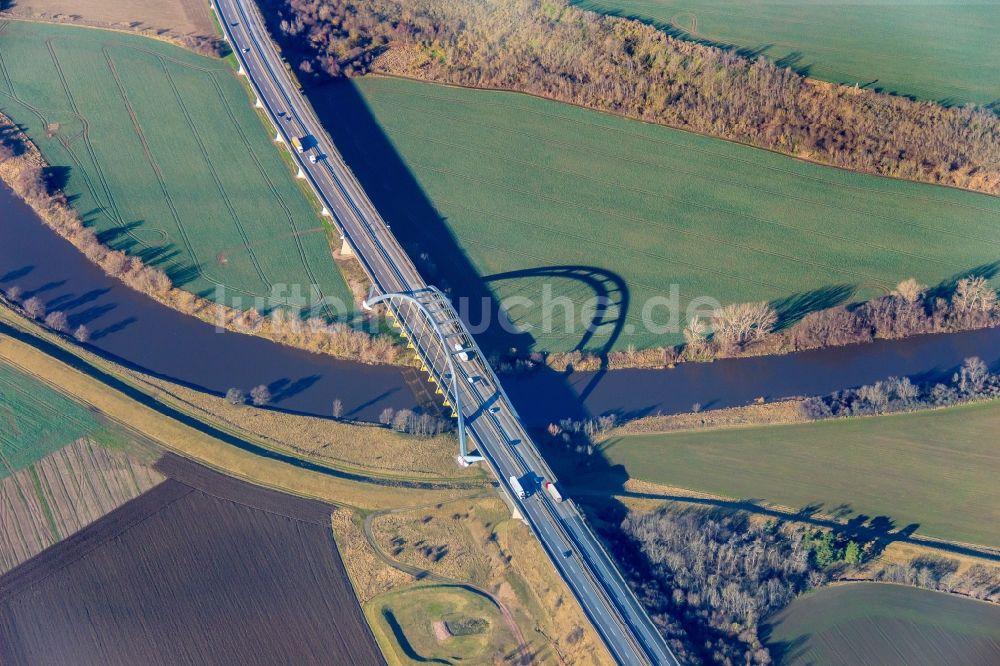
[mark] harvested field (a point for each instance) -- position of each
(870, 623)
(63, 493)
(175, 18)
(204, 570)
(162, 154)
(554, 204)
(943, 51)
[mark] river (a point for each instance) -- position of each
(137, 331)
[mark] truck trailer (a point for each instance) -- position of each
(297, 142)
(551, 489)
(516, 486)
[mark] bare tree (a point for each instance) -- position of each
(910, 291)
(34, 307)
(740, 323)
(57, 321)
(973, 294)
(82, 334)
(260, 395)
(234, 396)
(338, 408)
(14, 293)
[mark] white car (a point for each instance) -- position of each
(312, 158)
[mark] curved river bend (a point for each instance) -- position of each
(137, 331)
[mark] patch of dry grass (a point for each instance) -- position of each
(475, 540)
(357, 446)
(369, 575)
(783, 411)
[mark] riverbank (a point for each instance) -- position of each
(168, 422)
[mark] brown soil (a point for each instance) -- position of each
(161, 18)
(201, 569)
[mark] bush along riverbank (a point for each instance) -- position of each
(25, 171)
(754, 329)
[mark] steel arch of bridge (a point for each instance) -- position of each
(446, 309)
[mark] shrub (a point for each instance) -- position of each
(260, 395)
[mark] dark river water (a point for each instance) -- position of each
(137, 331)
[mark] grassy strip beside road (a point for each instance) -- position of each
(935, 468)
(170, 424)
(531, 188)
(942, 51)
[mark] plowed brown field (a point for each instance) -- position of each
(201, 569)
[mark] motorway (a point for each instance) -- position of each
(491, 420)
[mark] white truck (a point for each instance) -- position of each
(516, 486)
(551, 489)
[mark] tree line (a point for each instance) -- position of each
(555, 50)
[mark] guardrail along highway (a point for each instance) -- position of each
(491, 421)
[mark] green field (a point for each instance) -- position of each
(935, 468)
(871, 623)
(945, 51)
(163, 153)
(528, 184)
(35, 421)
(403, 622)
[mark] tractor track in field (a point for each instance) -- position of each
(688, 147)
(535, 138)
(679, 230)
(156, 169)
(215, 176)
(271, 187)
(111, 204)
(694, 204)
(211, 73)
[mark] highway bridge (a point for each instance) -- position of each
(430, 323)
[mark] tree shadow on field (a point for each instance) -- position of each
(946, 288)
(792, 309)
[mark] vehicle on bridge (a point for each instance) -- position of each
(515, 485)
(303, 143)
(551, 489)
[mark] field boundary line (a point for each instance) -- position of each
(539, 138)
(688, 202)
(690, 132)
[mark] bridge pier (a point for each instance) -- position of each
(278, 138)
(345, 248)
(301, 174)
(259, 104)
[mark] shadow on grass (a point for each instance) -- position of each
(404, 644)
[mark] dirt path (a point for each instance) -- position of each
(524, 656)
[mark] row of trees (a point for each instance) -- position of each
(972, 381)
(414, 423)
(553, 49)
